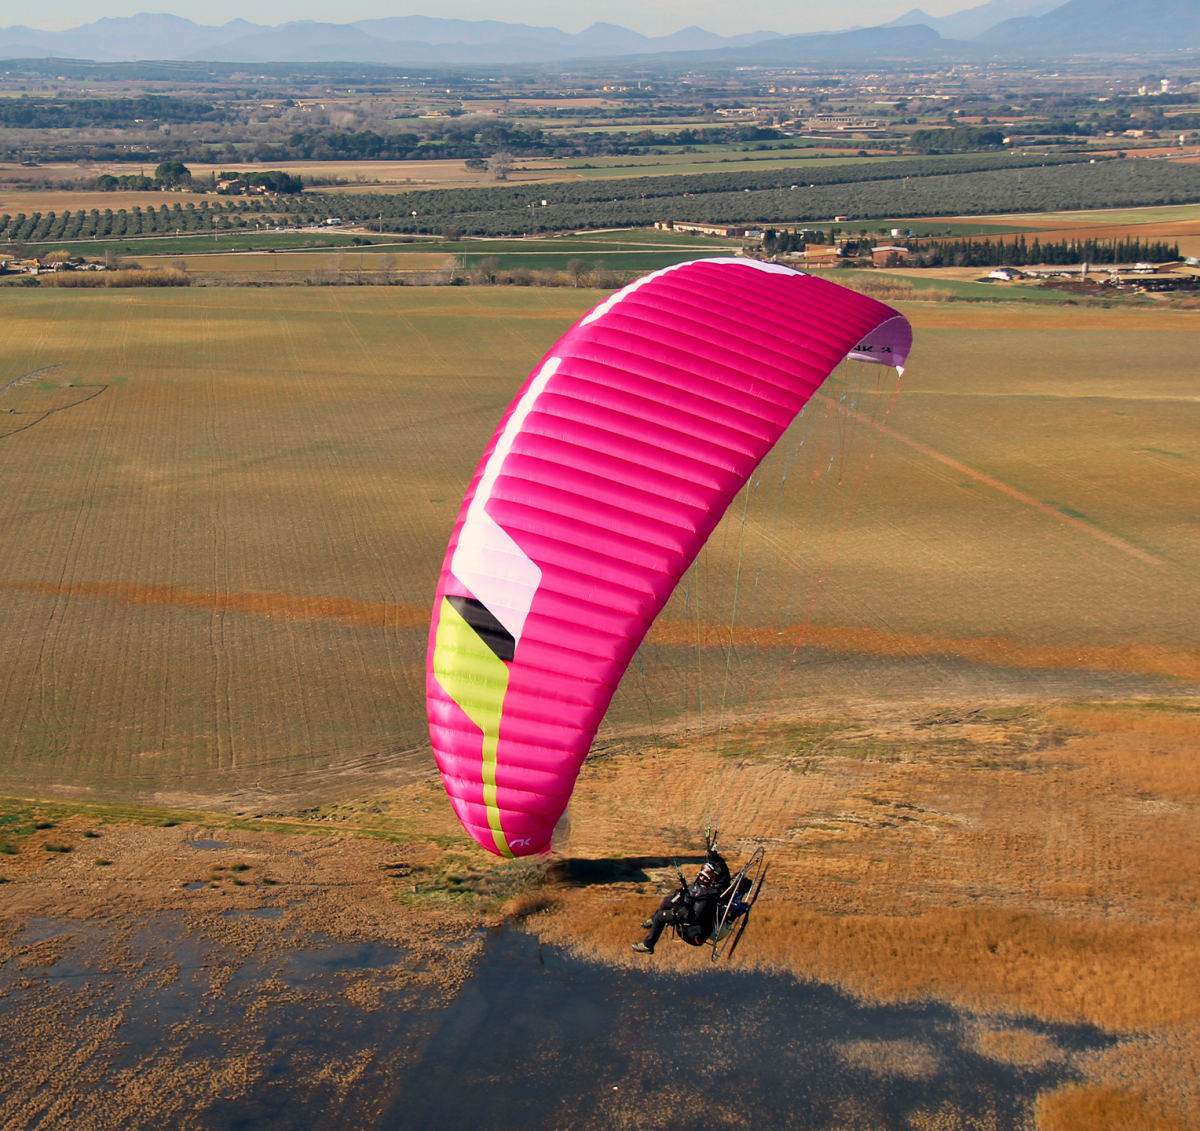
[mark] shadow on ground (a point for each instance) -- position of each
(580, 872)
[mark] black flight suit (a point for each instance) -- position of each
(694, 909)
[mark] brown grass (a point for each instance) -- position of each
(1022, 1048)
(340, 426)
(1015, 862)
(273, 485)
(529, 903)
(1182, 301)
(321, 886)
(158, 277)
(892, 289)
(901, 1059)
(291, 263)
(1018, 863)
(1153, 752)
(217, 573)
(1124, 977)
(1082, 1108)
(15, 200)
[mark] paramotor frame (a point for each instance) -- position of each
(747, 882)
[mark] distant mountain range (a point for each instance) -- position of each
(1079, 27)
(975, 21)
(862, 45)
(398, 39)
(995, 29)
(1110, 27)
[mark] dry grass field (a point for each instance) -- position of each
(223, 559)
(1024, 863)
(1032, 467)
(394, 174)
(370, 175)
(292, 267)
(57, 200)
(954, 695)
(1169, 223)
(219, 561)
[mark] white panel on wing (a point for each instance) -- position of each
(888, 344)
(487, 560)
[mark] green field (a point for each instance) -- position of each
(223, 241)
(589, 242)
(614, 259)
(226, 510)
(627, 237)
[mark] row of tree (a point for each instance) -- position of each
(1015, 186)
(1019, 253)
(169, 174)
(464, 143)
(960, 139)
(34, 113)
(96, 224)
(439, 142)
(657, 192)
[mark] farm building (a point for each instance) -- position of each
(885, 253)
(820, 255)
(702, 229)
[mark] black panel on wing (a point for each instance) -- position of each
(490, 630)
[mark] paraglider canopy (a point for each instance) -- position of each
(603, 481)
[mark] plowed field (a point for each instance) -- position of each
(225, 511)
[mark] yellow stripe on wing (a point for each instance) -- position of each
(477, 680)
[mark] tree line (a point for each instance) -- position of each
(449, 142)
(172, 174)
(1019, 253)
(960, 139)
(466, 143)
(26, 113)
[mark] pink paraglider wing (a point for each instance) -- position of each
(603, 481)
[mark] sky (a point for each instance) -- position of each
(661, 17)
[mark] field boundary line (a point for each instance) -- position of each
(1114, 540)
(272, 605)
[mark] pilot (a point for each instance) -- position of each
(691, 910)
